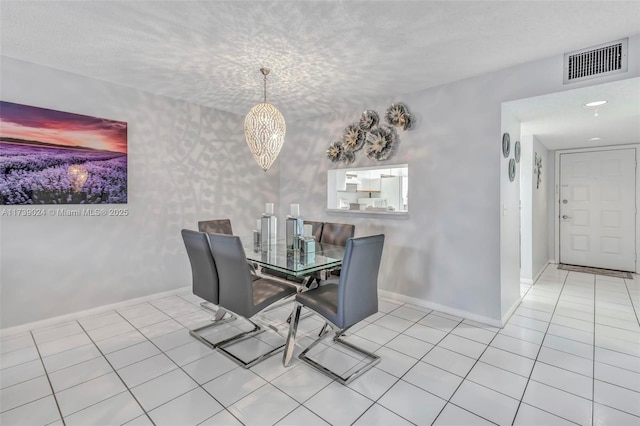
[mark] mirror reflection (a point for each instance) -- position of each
(370, 189)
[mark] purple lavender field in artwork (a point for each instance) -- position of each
(53, 157)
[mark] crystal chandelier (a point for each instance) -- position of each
(264, 128)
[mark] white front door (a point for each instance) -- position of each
(598, 208)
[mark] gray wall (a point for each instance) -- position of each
(459, 249)
(186, 163)
(456, 251)
(540, 197)
(535, 209)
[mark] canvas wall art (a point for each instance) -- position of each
(55, 157)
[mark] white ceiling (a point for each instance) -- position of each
(324, 55)
(561, 121)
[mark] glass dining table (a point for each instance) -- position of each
(294, 262)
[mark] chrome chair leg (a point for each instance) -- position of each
(291, 338)
(220, 313)
(257, 329)
(325, 329)
(374, 359)
(339, 333)
(208, 306)
(218, 319)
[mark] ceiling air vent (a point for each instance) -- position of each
(596, 61)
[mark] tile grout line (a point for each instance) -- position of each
(224, 408)
(300, 404)
(53, 392)
(593, 370)
(398, 379)
(593, 402)
(400, 333)
(114, 370)
(633, 305)
(374, 402)
(593, 363)
(117, 374)
(329, 384)
(538, 353)
(477, 360)
(447, 401)
(464, 378)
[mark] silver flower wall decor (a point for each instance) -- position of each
(381, 143)
(398, 115)
(353, 138)
(368, 120)
(348, 157)
(334, 152)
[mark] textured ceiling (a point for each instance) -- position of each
(324, 55)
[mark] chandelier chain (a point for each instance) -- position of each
(264, 72)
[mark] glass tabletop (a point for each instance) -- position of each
(296, 263)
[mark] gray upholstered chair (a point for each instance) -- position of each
(344, 302)
(316, 229)
(216, 226)
(222, 226)
(337, 234)
(240, 293)
(204, 279)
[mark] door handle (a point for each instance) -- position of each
(564, 216)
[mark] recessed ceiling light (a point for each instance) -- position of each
(593, 139)
(595, 103)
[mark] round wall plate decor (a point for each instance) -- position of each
(506, 144)
(516, 151)
(512, 169)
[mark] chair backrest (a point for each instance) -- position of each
(316, 229)
(203, 268)
(236, 289)
(217, 226)
(358, 285)
(337, 234)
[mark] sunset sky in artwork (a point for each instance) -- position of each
(61, 128)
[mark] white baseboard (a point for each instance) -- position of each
(86, 313)
(510, 312)
(442, 308)
(536, 276)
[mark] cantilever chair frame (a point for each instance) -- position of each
(375, 359)
(218, 319)
(257, 329)
(225, 268)
(342, 314)
(219, 313)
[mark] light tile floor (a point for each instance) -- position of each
(569, 355)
